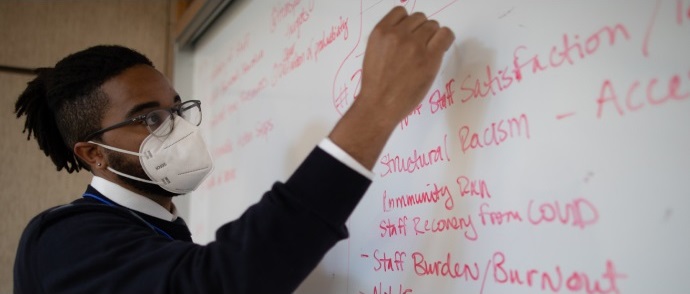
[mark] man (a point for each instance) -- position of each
(107, 110)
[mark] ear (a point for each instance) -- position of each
(90, 154)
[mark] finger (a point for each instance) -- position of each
(427, 30)
(413, 21)
(441, 40)
(393, 17)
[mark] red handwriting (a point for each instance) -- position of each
(387, 263)
(224, 149)
(490, 85)
(335, 32)
(555, 281)
(497, 217)
(500, 271)
(651, 95)
(414, 4)
(380, 289)
(224, 113)
(439, 101)
(650, 27)
(415, 112)
(416, 161)
(340, 92)
(437, 192)
(472, 187)
(682, 13)
(405, 2)
(262, 130)
(302, 17)
(444, 268)
(248, 95)
(391, 229)
(682, 16)
(564, 115)
(580, 213)
(220, 178)
(281, 12)
(245, 139)
(342, 101)
(344, 96)
(439, 225)
(245, 97)
(433, 195)
(231, 53)
(571, 50)
(496, 134)
(292, 60)
(237, 75)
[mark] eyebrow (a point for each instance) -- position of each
(138, 108)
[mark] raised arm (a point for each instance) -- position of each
(401, 61)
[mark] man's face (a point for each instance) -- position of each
(134, 92)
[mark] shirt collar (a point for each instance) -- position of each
(132, 200)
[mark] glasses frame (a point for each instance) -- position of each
(176, 109)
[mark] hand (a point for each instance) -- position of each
(402, 59)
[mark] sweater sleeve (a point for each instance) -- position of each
(271, 248)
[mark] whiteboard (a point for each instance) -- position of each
(550, 155)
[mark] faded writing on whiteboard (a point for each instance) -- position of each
(219, 178)
(295, 27)
(282, 11)
(231, 53)
(237, 75)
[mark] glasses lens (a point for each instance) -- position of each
(159, 122)
(191, 112)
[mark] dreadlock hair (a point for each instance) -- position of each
(65, 103)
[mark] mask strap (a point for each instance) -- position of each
(117, 149)
(131, 177)
(121, 173)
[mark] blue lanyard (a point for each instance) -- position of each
(154, 228)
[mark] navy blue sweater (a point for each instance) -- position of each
(90, 247)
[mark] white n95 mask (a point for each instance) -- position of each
(178, 162)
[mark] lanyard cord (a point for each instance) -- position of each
(109, 203)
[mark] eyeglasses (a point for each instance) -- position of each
(159, 122)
